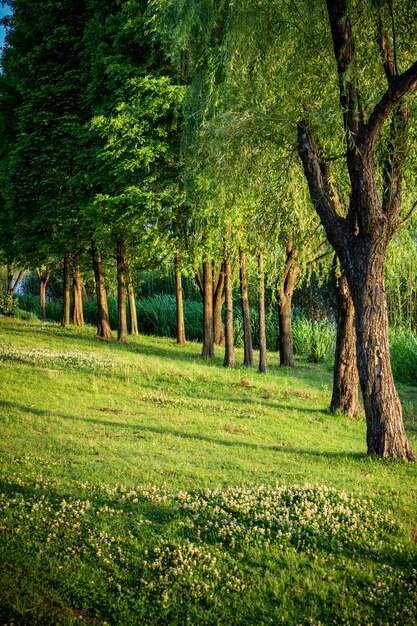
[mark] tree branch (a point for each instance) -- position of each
(336, 227)
(400, 85)
(397, 145)
(407, 218)
(199, 280)
(344, 52)
(16, 282)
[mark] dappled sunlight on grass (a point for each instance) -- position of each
(218, 524)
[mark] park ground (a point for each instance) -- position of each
(143, 485)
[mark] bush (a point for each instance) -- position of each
(403, 349)
(24, 315)
(7, 304)
(314, 339)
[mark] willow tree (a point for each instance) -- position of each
(300, 63)
(361, 237)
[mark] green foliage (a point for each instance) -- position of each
(403, 350)
(315, 339)
(401, 278)
(8, 305)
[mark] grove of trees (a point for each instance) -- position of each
(239, 142)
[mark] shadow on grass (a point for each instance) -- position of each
(135, 428)
(173, 352)
(164, 513)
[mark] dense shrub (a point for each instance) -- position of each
(403, 349)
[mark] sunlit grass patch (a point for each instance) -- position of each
(255, 505)
(307, 517)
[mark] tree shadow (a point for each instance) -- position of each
(161, 514)
(159, 430)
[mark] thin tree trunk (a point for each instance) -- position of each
(218, 301)
(244, 300)
(286, 352)
(263, 364)
(78, 314)
(12, 286)
(103, 324)
(121, 293)
(134, 328)
(9, 278)
(43, 283)
(179, 301)
(66, 299)
(229, 355)
(345, 373)
(208, 336)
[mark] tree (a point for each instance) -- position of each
(345, 371)
(361, 238)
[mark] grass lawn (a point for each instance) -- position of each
(142, 485)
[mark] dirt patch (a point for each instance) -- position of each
(235, 429)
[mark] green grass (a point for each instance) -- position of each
(142, 485)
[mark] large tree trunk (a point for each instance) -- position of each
(361, 237)
(244, 301)
(179, 301)
(134, 327)
(263, 365)
(121, 293)
(208, 336)
(43, 283)
(345, 372)
(103, 323)
(385, 430)
(291, 271)
(218, 301)
(66, 299)
(77, 290)
(229, 354)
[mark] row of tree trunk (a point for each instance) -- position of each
(125, 294)
(216, 290)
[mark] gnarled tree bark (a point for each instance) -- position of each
(345, 372)
(361, 238)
